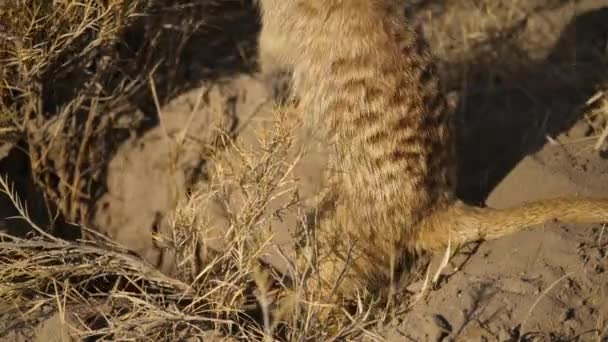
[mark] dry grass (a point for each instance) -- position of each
(211, 292)
(57, 64)
(75, 80)
(597, 117)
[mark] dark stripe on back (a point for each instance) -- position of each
(363, 118)
(379, 136)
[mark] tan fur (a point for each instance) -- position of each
(367, 77)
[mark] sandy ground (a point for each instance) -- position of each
(547, 284)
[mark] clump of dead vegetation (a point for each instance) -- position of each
(103, 291)
(76, 75)
(60, 95)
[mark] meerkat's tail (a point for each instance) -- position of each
(467, 223)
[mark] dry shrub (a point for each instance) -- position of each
(60, 92)
(75, 79)
(216, 289)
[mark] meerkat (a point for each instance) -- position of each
(367, 78)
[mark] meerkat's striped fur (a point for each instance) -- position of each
(366, 77)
